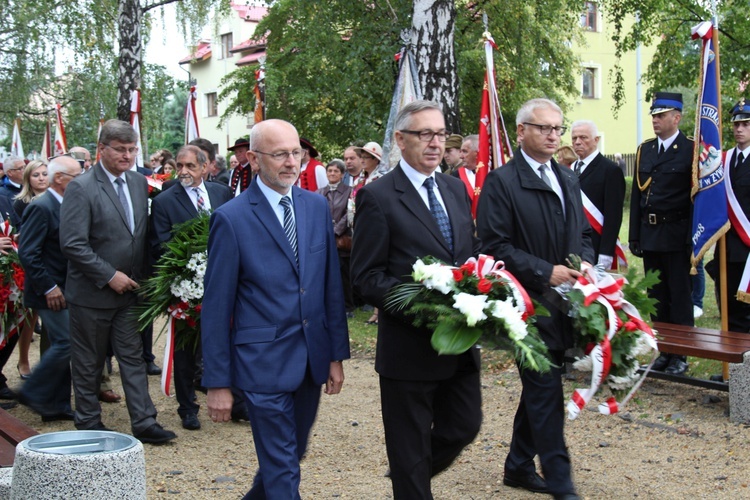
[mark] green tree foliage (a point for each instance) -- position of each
(331, 67)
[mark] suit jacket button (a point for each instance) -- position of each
(302, 291)
(304, 322)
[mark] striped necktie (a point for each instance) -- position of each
(201, 202)
(290, 227)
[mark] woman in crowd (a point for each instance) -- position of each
(565, 156)
(169, 168)
(34, 184)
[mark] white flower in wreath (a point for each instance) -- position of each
(626, 381)
(583, 364)
(471, 306)
(508, 313)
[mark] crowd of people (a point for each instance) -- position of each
(296, 245)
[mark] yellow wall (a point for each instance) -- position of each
(618, 135)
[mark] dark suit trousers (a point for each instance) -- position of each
(281, 426)
(674, 291)
(5, 353)
(91, 331)
(346, 279)
(538, 429)
(739, 312)
(184, 372)
(427, 424)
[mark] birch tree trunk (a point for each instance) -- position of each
(129, 67)
(433, 23)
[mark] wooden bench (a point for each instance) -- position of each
(12, 432)
(719, 345)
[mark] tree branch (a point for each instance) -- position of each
(147, 8)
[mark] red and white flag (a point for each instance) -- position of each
(16, 148)
(61, 142)
(135, 121)
(191, 118)
(494, 147)
(46, 143)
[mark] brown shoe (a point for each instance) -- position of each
(109, 396)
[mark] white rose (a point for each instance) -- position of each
(471, 306)
(509, 314)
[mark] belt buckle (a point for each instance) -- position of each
(652, 218)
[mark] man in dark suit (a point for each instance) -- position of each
(660, 217)
(103, 234)
(273, 320)
(431, 404)
(47, 391)
(737, 244)
(11, 183)
(175, 206)
(603, 185)
(530, 216)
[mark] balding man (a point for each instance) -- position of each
(602, 190)
(47, 391)
(83, 156)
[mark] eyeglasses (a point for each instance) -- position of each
(547, 129)
(282, 155)
(122, 150)
(428, 135)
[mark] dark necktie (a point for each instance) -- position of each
(289, 226)
(123, 200)
(201, 201)
(661, 149)
(543, 175)
(579, 167)
(441, 217)
(739, 159)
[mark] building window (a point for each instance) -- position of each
(588, 89)
(226, 45)
(211, 106)
(588, 18)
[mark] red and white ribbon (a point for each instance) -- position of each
(7, 231)
(596, 220)
(486, 265)
(605, 289)
(740, 224)
(174, 312)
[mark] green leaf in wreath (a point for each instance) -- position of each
(450, 338)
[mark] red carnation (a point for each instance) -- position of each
(458, 274)
(484, 286)
(468, 268)
(198, 308)
(631, 326)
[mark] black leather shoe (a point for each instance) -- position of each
(191, 422)
(7, 393)
(152, 369)
(676, 366)
(532, 482)
(156, 434)
(65, 415)
(661, 362)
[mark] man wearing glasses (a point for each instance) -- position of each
(274, 324)
(11, 184)
(431, 405)
(531, 217)
(103, 229)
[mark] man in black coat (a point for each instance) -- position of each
(530, 216)
(738, 170)
(660, 217)
(47, 391)
(431, 405)
(173, 206)
(603, 186)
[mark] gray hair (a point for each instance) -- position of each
(586, 123)
(403, 118)
(337, 163)
(11, 160)
(200, 155)
(117, 130)
(527, 109)
(221, 162)
(474, 140)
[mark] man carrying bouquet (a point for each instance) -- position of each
(431, 404)
(531, 217)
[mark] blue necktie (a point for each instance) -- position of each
(289, 226)
(441, 217)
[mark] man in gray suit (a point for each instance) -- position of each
(103, 234)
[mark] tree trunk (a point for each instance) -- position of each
(129, 67)
(433, 23)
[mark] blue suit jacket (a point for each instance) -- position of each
(264, 321)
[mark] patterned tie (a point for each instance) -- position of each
(579, 167)
(289, 226)
(123, 200)
(199, 197)
(543, 175)
(441, 217)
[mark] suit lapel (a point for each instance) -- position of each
(138, 200)
(267, 217)
(184, 200)
(301, 218)
(415, 204)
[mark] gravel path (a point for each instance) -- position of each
(673, 442)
